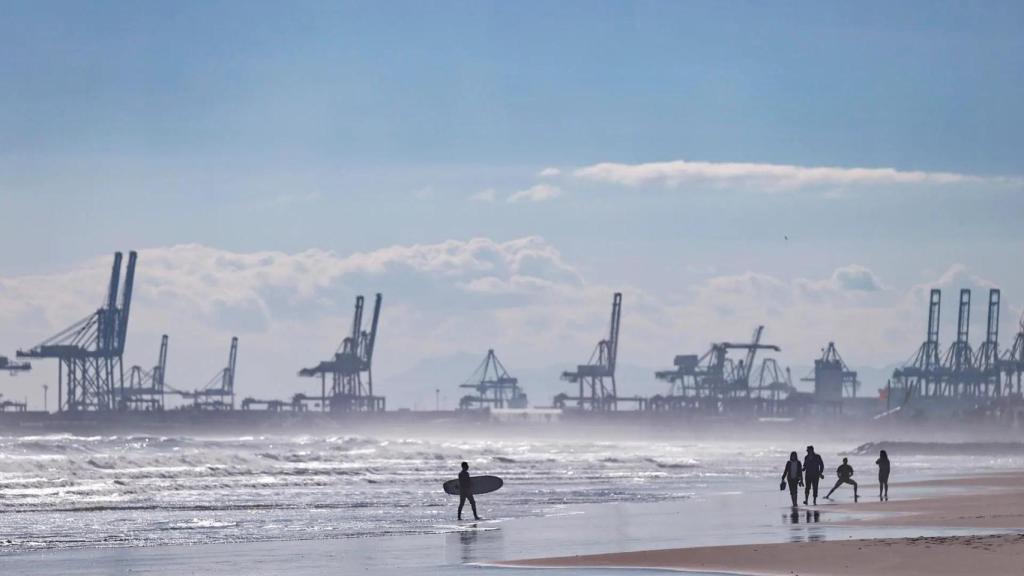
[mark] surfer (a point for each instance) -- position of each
(793, 475)
(845, 474)
(466, 491)
(814, 470)
(883, 476)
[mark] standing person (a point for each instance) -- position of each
(793, 475)
(814, 470)
(466, 491)
(883, 475)
(845, 474)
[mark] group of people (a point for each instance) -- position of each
(812, 469)
(796, 474)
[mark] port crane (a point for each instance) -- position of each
(596, 378)
(145, 390)
(345, 371)
(494, 386)
(706, 382)
(90, 351)
(219, 392)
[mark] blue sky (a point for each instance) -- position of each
(353, 128)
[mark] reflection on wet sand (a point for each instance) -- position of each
(809, 532)
(475, 543)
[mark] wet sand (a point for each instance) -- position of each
(986, 503)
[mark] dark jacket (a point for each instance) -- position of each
(799, 471)
(883, 467)
(814, 466)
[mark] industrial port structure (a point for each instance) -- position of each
(89, 352)
(596, 379)
(984, 379)
(350, 391)
(91, 375)
(494, 387)
(725, 380)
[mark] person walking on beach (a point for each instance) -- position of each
(466, 491)
(883, 476)
(814, 470)
(793, 475)
(845, 474)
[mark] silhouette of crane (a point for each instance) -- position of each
(494, 386)
(353, 358)
(705, 382)
(14, 367)
(89, 352)
(219, 392)
(596, 379)
(145, 390)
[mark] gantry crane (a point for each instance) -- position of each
(986, 360)
(494, 387)
(14, 368)
(958, 374)
(219, 392)
(1012, 364)
(708, 381)
(352, 359)
(596, 379)
(922, 375)
(145, 390)
(89, 352)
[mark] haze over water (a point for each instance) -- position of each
(65, 491)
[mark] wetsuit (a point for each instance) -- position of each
(814, 470)
(792, 475)
(466, 493)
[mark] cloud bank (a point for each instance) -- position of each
(769, 177)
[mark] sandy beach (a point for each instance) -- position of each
(988, 503)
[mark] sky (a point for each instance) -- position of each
(497, 170)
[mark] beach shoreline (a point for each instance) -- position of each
(991, 505)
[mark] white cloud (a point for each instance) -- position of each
(549, 172)
(852, 278)
(538, 193)
(769, 177)
(488, 195)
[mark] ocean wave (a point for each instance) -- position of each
(672, 465)
(939, 448)
(70, 491)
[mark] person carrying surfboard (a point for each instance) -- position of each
(466, 491)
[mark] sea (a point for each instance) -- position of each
(67, 491)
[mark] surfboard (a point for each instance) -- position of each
(481, 485)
